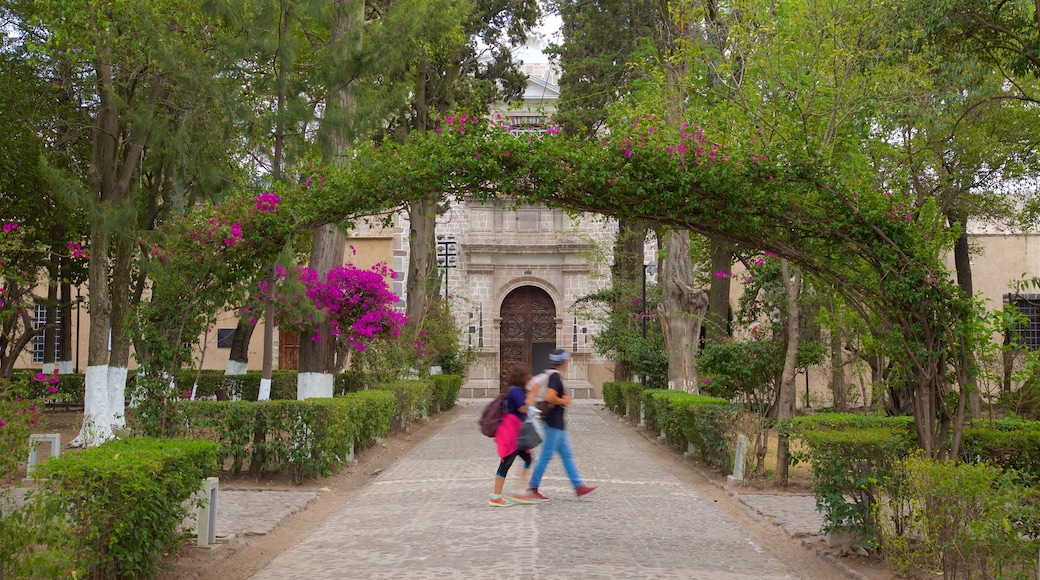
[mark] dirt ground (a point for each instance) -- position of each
(243, 557)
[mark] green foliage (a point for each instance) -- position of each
(850, 468)
(413, 400)
(1012, 448)
(799, 426)
(306, 438)
(707, 423)
(34, 537)
(126, 501)
(624, 398)
(445, 392)
(621, 337)
(959, 520)
(20, 419)
(1025, 401)
(612, 397)
(742, 370)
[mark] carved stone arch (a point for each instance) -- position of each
(527, 329)
(535, 281)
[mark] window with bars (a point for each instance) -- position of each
(1027, 333)
(40, 320)
(225, 337)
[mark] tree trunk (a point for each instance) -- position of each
(626, 275)
(65, 344)
(116, 150)
(423, 282)
(318, 357)
(839, 388)
(119, 358)
(786, 398)
(318, 352)
(682, 310)
(962, 263)
(238, 360)
(97, 427)
(717, 320)
(50, 332)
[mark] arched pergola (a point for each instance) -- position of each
(875, 249)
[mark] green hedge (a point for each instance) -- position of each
(612, 398)
(850, 468)
(413, 400)
(307, 438)
(126, 501)
(1009, 450)
(71, 388)
(445, 392)
(965, 521)
(796, 426)
(708, 424)
(623, 397)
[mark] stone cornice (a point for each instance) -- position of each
(499, 248)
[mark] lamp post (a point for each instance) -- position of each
(650, 269)
(447, 256)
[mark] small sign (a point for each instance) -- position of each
(741, 457)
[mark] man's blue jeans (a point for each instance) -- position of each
(555, 442)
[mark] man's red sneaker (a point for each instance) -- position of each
(584, 489)
(533, 494)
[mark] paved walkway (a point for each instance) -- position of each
(427, 516)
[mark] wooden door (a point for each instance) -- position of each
(528, 330)
(288, 350)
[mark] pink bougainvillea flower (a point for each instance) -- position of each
(268, 202)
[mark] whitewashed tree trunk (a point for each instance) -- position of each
(97, 410)
(117, 396)
(265, 390)
(314, 386)
(236, 367)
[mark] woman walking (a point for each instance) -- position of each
(508, 432)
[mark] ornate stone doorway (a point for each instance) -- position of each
(528, 330)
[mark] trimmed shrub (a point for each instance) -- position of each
(307, 438)
(126, 501)
(612, 398)
(445, 392)
(849, 468)
(796, 426)
(966, 521)
(1017, 450)
(413, 400)
(350, 381)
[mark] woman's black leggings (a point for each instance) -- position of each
(507, 462)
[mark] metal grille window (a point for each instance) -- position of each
(225, 337)
(37, 341)
(1026, 334)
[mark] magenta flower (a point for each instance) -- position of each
(268, 202)
(10, 227)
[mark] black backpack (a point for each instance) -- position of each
(491, 418)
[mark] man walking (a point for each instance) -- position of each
(555, 433)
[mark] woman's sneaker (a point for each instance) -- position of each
(500, 502)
